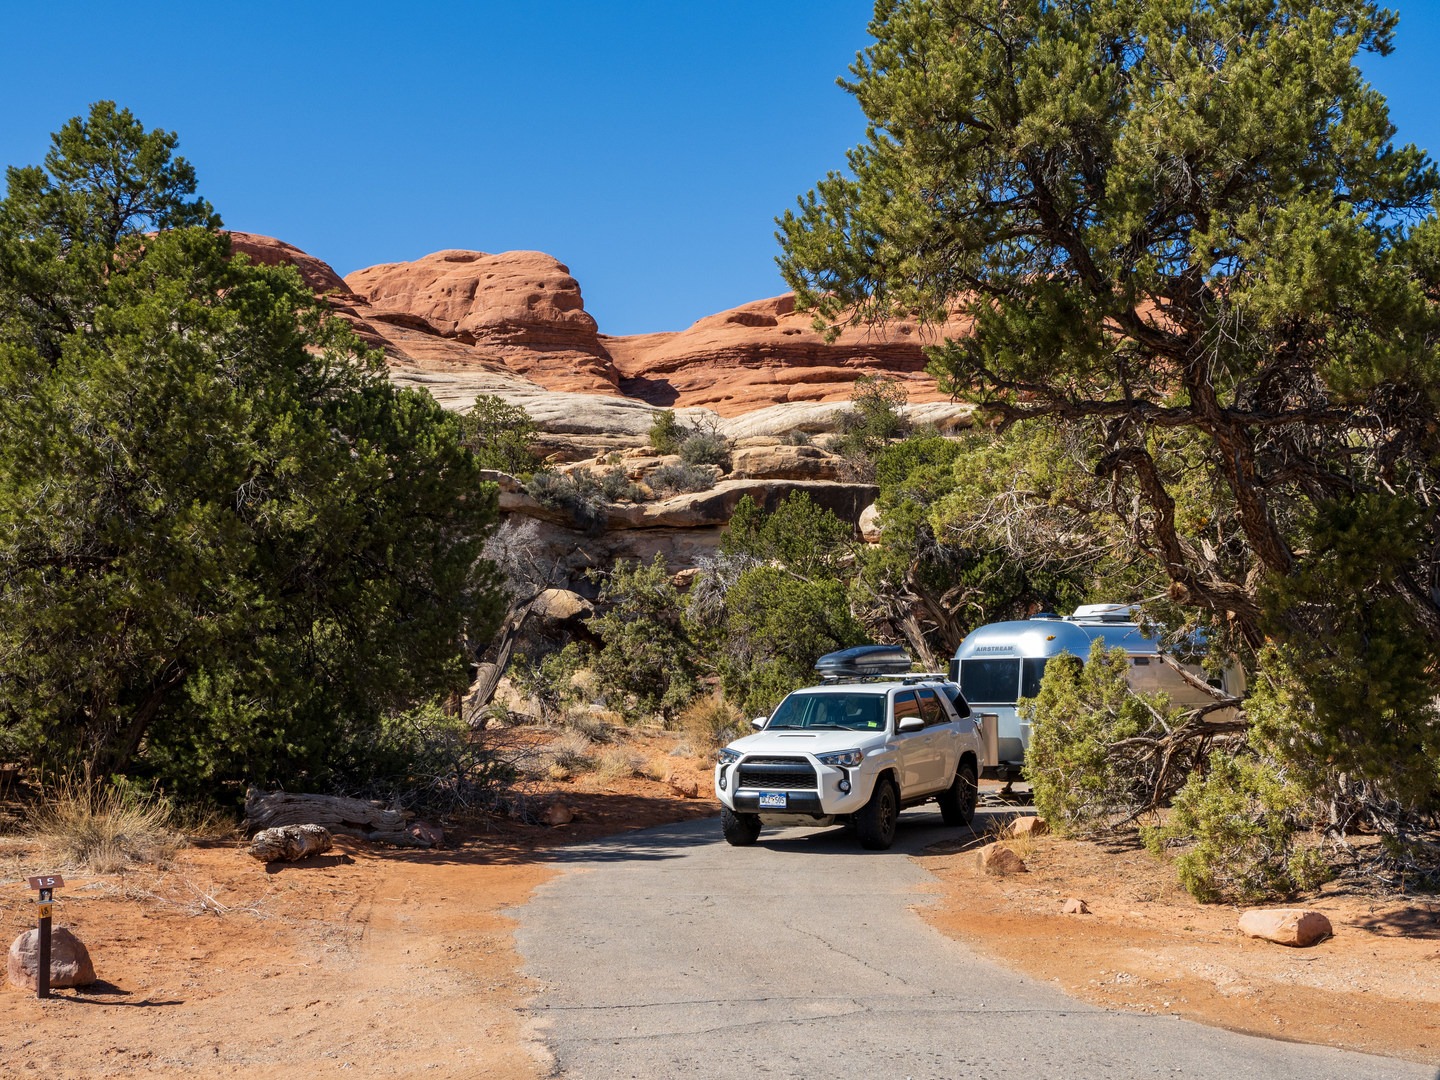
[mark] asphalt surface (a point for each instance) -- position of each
(667, 953)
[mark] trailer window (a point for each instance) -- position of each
(1031, 672)
(990, 682)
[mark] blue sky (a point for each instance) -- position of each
(648, 145)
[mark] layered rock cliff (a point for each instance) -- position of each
(463, 323)
(466, 322)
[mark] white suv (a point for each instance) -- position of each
(860, 747)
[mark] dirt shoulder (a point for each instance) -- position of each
(371, 960)
(1146, 946)
(365, 961)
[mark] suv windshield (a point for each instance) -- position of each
(835, 712)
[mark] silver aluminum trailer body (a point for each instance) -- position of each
(1001, 663)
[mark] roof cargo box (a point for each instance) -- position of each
(864, 660)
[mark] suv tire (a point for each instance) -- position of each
(741, 830)
(875, 822)
(957, 802)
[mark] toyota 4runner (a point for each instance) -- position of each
(867, 742)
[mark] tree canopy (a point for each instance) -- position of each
(1188, 241)
(229, 548)
(1183, 224)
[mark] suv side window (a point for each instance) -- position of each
(930, 708)
(905, 705)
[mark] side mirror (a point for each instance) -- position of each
(759, 722)
(911, 723)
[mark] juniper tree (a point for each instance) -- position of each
(1185, 234)
(229, 549)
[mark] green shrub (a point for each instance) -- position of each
(500, 435)
(1238, 820)
(774, 627)
(646, 664)
(1082, 783)
(706, 448)
(616, 486)
(799, 534)
(430, 760)
(578, 493)
(679, 479)
(667, 433)
(550, 679)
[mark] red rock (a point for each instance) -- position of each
(765, 353)
(70, 963)
(516, 298)
(268, 251)
(1074, 906)
(557, 814)
(685, 786)
(998, 860)
(1295, 927)
(1030, 825)
(521, 314)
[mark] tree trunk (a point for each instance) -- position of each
(352, 817)
(488, 674)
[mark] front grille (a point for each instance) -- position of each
(777, 774)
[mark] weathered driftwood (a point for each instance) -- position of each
(351, 817)
(290, 842)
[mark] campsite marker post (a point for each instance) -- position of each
(45, 885)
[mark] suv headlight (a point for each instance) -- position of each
(842, 758)
(728, 756)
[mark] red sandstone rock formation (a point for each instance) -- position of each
(518, 298)
(766, 353)
(521, 309)
(268, 251)
(521, 316)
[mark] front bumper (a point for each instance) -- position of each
(825, 799)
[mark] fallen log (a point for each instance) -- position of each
(289, 843)
(349, 817)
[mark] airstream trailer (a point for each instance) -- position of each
(1001, 663)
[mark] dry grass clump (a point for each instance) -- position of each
(570, 753)
(104, 828)
(999, 833)
(618, 763)
(596, 724)
(710, 722)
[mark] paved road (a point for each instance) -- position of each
(666, 953)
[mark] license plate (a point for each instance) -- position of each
(772, 800)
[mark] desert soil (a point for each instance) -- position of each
(370, 960)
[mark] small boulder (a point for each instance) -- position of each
(286, 843)
(70, 963)
(561, 605)
(1295, 927)
(998, 860)
(426, 834)
(1074, 906)
(685, 786)
(869, 524)
(1030, 825)
(557, 813)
